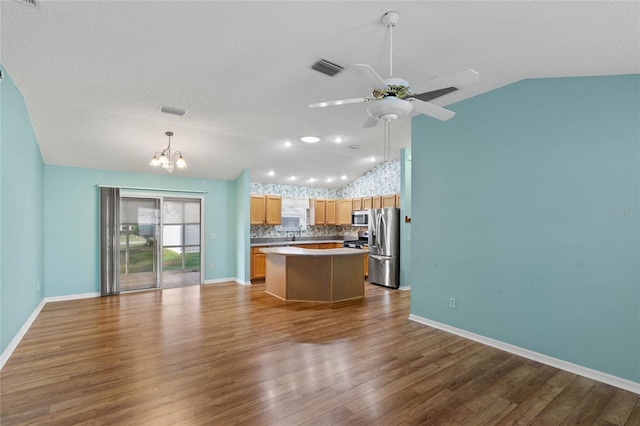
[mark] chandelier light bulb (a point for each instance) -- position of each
(154, 161)
(180, 163)
(163, 159)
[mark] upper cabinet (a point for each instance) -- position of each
(389, 200)
(331, 212)
(343, 211)
(317, 211)
(265, 210)
(322, 212)
(367, 203)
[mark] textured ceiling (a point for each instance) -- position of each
(94, 74)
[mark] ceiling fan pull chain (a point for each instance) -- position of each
(387, 140)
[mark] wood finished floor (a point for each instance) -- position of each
(230, 354)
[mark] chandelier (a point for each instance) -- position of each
(165, 159)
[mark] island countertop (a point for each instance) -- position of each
(299, 251)
(318, 275)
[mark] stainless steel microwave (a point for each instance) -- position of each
(360, 218)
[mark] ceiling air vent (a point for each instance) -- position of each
(326, 67)
(172, 110)
(32, 3)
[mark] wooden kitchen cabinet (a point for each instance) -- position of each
(367, 203)
(389, 200)
(330, 245)
(257, 210)
(366, 264)
(258, 263)
(323, 212)
(318, 214)
(265, 210)
(398, 200)
(307, 246)
(376, 202)
(273, 214)
(330, 212)
(345, 207)
(357, 204)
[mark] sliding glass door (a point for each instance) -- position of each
(159, 242)
(139, 236)
(180, 242)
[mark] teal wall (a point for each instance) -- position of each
(242, 237)
(405, 211)
(21, 214)
(71, 224)
(526, 210)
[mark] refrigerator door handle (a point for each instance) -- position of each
(377, 257)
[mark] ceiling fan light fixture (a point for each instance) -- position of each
(389, 108)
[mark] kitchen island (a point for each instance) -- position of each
(314, 275)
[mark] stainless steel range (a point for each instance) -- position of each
(362, 241)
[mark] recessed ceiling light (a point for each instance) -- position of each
(288, 143)
(356, 146)
(310, 139)
(329, 179)
(292, 178)
(372, 159)
(338, 140)
(343, 177)
(312, 179)
(271, 173)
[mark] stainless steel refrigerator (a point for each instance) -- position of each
(384, 246)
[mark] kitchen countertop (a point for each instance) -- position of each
(298, 251)
(289, 242)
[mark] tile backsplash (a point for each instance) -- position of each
(380, 180)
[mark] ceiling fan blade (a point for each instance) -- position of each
(456, 79)
(371, 122)
(369, 75)
(431, 110)
(340, 102)
(434, 94)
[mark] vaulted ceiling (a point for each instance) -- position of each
(95, 73)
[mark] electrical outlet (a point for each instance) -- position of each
(212, 265)
(213, 235)
(452, 303)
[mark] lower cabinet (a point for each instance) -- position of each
(258, 263)
(366, 264)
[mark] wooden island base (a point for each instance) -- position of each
(310, 275)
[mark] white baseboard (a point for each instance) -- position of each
(221, 280)
(23, 330)
(535, 356)
(71, 297)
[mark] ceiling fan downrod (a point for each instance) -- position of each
(390, 19)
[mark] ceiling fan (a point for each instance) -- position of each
(392, 97)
